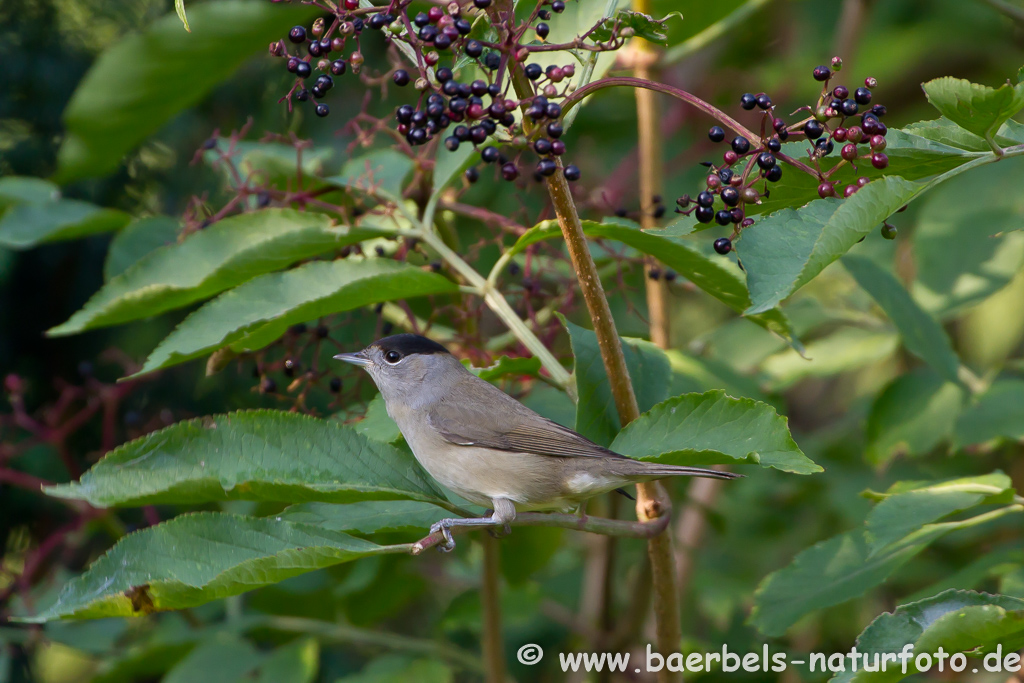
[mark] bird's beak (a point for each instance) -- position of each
(358, 358)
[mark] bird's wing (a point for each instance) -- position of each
(507, 425)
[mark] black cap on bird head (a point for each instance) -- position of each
(409, 344)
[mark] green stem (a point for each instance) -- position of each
(342, 633)
(491, 296)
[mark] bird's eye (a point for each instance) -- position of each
(392, 356)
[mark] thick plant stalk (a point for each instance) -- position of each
(490, 598)
(651, 497)
(652, 501)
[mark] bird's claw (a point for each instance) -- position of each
(445, 528)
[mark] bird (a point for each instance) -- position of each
(487, 447)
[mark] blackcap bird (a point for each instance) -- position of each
(487, 447)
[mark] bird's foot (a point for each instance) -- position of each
(445, 527)
(502, 531)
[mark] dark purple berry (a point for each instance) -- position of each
(472, 175)
(723, 245)
(740, 144)
(404, 113)
(572, 173)
(730, 196)
(335, 385)
(716, 134)
(463, 27)
(542, 146)
(879, 160)
(338, 67)
(774, 145)
(474, 49)
(725, 174)
(555, 129)
(482, 4)
(451, 143)
(723, 217)
(547, 167)
(509, 171)
(314, 49)
(862, 95)
(704, 214)
(489, 154)
(542, 30)
(293, 64)
(268, 386)
(849, 107)
(822, 73)
(303, 70)
(813, 130)
(558, 148)
(297, 34)
(774, 174)
(705, 199)
(492, 61)
(765, 160)
(763, 101)
(553, 110)
(558, 6)
(302, 95)
(841, 92)
(748, 101)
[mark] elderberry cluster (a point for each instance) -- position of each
(839, 116)
(447, 109)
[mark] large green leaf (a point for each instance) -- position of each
(977, 108)
(717, 277)
(712, 428)
(144, 80)
(136, 240)
(785, 250)
(998, 413)
(224, 255)
(922, 335)
(844, 567)
(258, 312)
(29, 224)
(913, 414)
(954, 620)
(252, 455)
(596, 415)
(967, 251)
(195, 558)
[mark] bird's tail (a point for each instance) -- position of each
(641, 470)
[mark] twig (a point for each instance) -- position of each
(596, 525)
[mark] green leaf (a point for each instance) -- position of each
(504, 366)
(224, 255)
(137, 239)
(29, 224)
(966, 251)
(596, 415)
(911, 157)
(643, 26)
(252, 455)
(376, 423)
(785, 250)
(179, 8)
(259, 311)
(977, 108)
(449, 165)
(716, 277)
(272, 162)
(913, 414)
(846, 349)
(195, 558)
(145, 79)
(368, 517)
(922, 335)
(390, 668)
(379, 170)
(712, 428)
(26, 190)
(904, 511)
(223, 657)
(955, 620)
(842, 568)
(996, 414)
